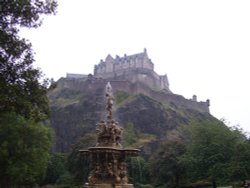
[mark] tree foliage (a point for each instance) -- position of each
(202, 153)
(24, 146)
(212, 153)
(56, 168)
(24, 142)
(165, 160)
(240, 164)
(21, 91)
(77, 164)
(138, 171)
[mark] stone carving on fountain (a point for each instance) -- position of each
(108, 156)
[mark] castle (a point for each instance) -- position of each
(135, 74)
(136, 68)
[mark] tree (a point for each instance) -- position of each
(211, 152)
(240, 165)
(24, 142)
(138, 170)
(56, 168)
(21, 91)
(24, 146)
(77, 164)
(164, 162)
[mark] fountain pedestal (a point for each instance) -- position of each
(109, 169)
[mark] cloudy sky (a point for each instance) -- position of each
(202, 45)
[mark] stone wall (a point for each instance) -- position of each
(146, 76)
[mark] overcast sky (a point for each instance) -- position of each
(203, 46)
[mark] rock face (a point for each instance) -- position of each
(78, 104)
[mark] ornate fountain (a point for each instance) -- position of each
(109, 169)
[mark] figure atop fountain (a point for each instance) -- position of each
(110, 100)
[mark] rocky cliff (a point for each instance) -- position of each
(77, 104)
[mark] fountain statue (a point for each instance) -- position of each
(109, 169)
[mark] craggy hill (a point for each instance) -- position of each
(77, 104)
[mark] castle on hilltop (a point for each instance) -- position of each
(135, 68)
(135, 74)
